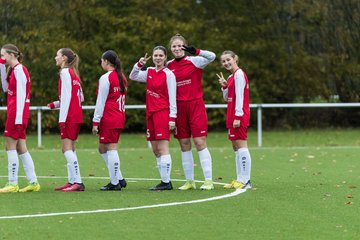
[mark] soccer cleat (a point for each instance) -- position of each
(111, 187)
(9, 188)
(190, 184)
(238, 185)
(123, 183)
(208, 185)
(76, 187)
(162, 186)
(32, 187)
(66, 185)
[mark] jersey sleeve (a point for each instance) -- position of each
(82, 97)
(4, 82)
(203, 59)
(65, 98)
(103, 92)
(171, 86)
(240, 83)
(138, 75)
(55, 104)
(20, 93)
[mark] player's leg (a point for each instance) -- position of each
(199, 130)
(29, 167)
(69, 134)
(161, 148)
(13, 165)
(238, 136)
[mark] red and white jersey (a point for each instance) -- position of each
(188, 72)
(18, 100)
(110, 103)
(160, 89)
(4, 83)
(237, 97)
(70, 95)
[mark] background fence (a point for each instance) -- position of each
(259, 108)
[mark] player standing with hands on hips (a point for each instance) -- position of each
(17, 86)
(70, 116)
(192, 118)
(109, 117)
(161, 109)
(236, 93)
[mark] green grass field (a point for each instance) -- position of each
(305, 186)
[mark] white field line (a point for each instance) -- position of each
(232, 194)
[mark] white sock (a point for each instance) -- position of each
(206, 163)
(237, 166)
(73, 166)
(70, 173)
(188, 164)
(243, 165)
(29, 167)
(114, 166)
(13, 166)
(77, 176)
(105, 157)
(165, 168)
(158, 163)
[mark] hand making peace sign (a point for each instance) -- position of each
(144, 59)
(222, 80)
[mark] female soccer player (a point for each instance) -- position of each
(109, 117)
(70, 116)
(160, 109)
(236, 93)
(192, 117)
(17, 86)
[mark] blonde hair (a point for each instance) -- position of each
(232, 54)
(177, 37)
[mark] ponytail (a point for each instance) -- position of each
(72, 60)
(120, 75)
(114, 60)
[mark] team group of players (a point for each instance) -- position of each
(174, 103)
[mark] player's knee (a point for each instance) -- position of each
(185, 145)
(200, 143)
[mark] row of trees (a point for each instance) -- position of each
(292, 50)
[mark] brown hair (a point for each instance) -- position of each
(177, 37)
(72, 59)
(232, 54)
(12, 49)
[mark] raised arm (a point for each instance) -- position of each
(136, 73)
(202, 57)
(223, 84)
